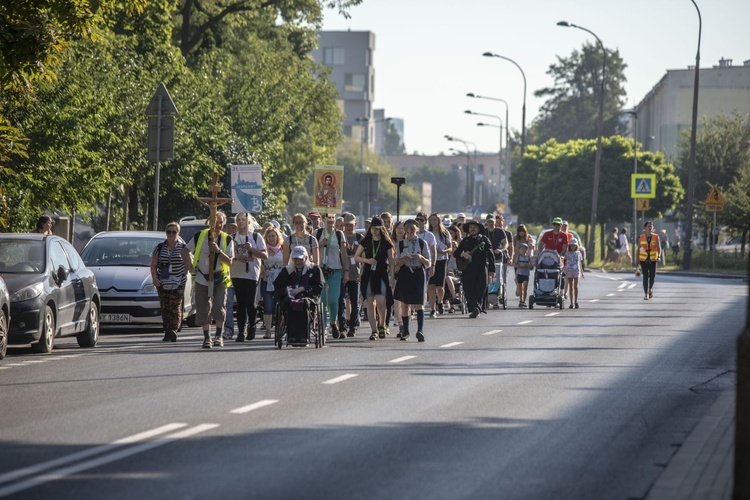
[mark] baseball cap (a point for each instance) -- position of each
(460, 214)
(314, 214)
(299, 252)
(557, 220)
(349, 218)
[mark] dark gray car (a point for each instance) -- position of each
(4, 317)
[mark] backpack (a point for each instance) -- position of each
(421, 245)
(618, 243)
(339, 235)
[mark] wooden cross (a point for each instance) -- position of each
(213, 202)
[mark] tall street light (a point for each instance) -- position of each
(687, 254)
(598, 159)
(469, 187)
(507, 170)
(634, 114)
(523, 110)
(500, 120)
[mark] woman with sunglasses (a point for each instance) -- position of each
(300, 237)
(170, 263)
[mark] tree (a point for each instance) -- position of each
(557, 178)
(199, 20)
(572, 106)
(737, 209)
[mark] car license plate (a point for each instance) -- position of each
(115, 318)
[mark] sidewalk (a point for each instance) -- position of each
(703, 466)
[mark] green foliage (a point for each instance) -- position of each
(557, 180)
(572, 106)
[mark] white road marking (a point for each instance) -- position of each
(632, 285)
(622, 285)
(254, 406)
(404, 358)
(492, 332)
(611, 294)
(341, 378)
(4, 367)
(553, 314)
(96, 462)
(34, 361)
(594, 300)
(452, 344)
(34, 469)
(8, 365)
(526, 322)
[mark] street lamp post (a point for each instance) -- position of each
(598, 158)
(634, 113)
(500, 120)
(523, 110)
(505, 193)
(469, 187)
(687, 254)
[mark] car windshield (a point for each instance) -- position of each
(120, 251)
(21, 256)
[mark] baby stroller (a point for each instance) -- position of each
(548, 280)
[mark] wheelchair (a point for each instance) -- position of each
(316, 330)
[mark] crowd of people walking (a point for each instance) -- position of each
(387, 275)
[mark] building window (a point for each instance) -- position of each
(354, 82)
(333, 56)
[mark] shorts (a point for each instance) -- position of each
(522, 278)
(206, 309)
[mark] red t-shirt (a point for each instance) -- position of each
(554, 241)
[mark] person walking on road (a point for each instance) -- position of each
(428, 238)
(623, 250)
(522, 265)
(612, 250)
(649, 249)
(170, 263)
(300, 237)
(269, 272)
(376, 254)
(250, 250)
(475, 259)
(335, 269)
(212, 305)
(443, 247)
(352, 279)
(412, 258)
(573, 270)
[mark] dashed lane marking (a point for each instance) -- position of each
(492, 332)
(594, 300)
(526, 322)
(254, 406)
(553, 314)
(622, 285)
(452, 344)
(611, 294)
(341, 378)
(402, 359)
(35, 469)
(99, 461)
(632, 285)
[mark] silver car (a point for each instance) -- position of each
(4, 317)
(121, 261)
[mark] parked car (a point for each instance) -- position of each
(52, 292)
(121, 261)
(4, 317)
(573, 234)
(190, 225)
(733, 244)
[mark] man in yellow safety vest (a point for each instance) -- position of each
(648, 255)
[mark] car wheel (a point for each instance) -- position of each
(90, 335)
(3, 335)
(47, 338)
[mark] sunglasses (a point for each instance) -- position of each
(171, 231)
(419, 220)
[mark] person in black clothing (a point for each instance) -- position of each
(475, 252)
(297, 289)
(375, 252)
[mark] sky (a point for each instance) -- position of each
(428, 54)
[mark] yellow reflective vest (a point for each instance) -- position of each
(646, 250)
(224, 237)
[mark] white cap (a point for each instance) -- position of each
(299, 252)
(460, 214)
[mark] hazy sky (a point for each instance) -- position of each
(428, 54)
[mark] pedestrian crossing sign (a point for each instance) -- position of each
(643, 186)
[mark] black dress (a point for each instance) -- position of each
(474, 277)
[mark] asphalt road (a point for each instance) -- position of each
(587, 403)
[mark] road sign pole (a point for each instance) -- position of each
(158, 164)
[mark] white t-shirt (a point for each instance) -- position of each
(440, 245)
(623, 244)
(247, 270)
(428, 238)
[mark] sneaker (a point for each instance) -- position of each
(432, 314)
(645, 297)
(381, 332)
(240, 337)
(267, 336)
(570, 306)
(576, 305)
(334, 331)
(440, 307)
(374, 336)
(405, 337)
(400, 332)
(474, 313)
(352, 332)
(520, 304)
(420, 336)
(166, 337)
(250, 334)
(228, 333)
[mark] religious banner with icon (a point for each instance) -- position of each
(247, 189)
(327, 187)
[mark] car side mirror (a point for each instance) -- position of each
(62, 274)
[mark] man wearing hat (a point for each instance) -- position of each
(474, 258)
(460, 219)
(555, 239)
(297, 289)
(314, 221)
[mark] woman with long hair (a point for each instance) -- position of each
(397, 235)
(444, 249)
(451, 267)
(522, 236)
(271, 269)
(376, 253)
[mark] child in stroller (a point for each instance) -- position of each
(548, 281)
